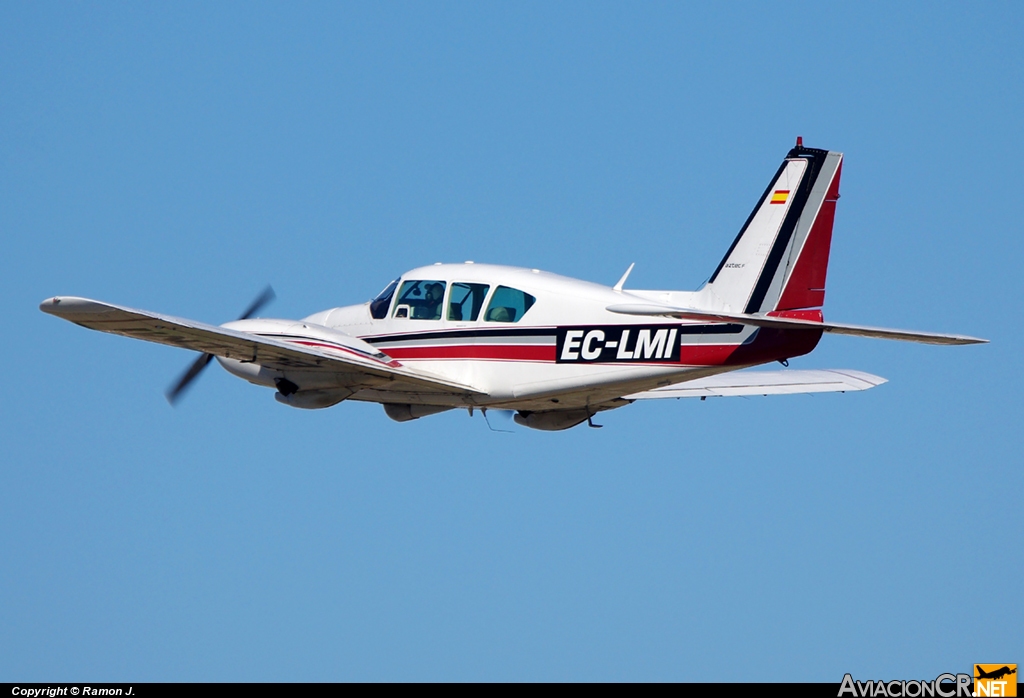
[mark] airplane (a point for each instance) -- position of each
(552, 350)
(995, 674)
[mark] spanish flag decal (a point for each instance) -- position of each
(780, 196)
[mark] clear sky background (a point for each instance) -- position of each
(178, 157)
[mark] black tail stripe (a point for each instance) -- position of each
(760, 201)
(816, 159)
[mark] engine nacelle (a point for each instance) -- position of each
(312, 399)
(407, 413)
(556, 420)
(246, 370)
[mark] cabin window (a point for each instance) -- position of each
(379, 305)
(420, 300)
(465, 301)
(508, 305)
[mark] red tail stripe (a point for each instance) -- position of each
(806, 285)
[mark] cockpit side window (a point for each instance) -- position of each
(420, 300)
(508, 305)
(379, 305)
(465, 301)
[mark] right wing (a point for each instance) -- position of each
(787, 323)
(342, 354)
(766, 383)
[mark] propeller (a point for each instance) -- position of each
(197, 366)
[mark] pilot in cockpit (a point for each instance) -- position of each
(432, 301)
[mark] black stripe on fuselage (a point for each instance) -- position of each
(815, 158)
(468, 332)
(549, 332)
(711, 329)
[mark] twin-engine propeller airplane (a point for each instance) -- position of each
(553, 349)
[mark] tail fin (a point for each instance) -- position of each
(780, 258)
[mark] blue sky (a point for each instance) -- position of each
(179, 157)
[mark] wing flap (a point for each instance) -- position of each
(767, 383)
(654, 310)
(354, 357)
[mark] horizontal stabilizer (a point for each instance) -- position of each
(767, 383)
(783, 323)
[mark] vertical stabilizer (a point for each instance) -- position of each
(780, 257)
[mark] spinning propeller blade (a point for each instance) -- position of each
(264, 298)
(175, 391)
(187, 377)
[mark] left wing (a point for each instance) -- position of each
(767, 383)
(341, 353)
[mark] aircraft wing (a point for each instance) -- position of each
(347, 354)
(655, 310)
(767, 383)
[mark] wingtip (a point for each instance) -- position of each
(50, 305)
(963, 340)
(66, 306)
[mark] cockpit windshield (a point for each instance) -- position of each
(425, 299)
(379, 305)
(420, 300)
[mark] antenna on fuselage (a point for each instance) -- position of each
(618, 286)
(505, 416)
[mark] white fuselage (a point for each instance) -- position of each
(565, 350)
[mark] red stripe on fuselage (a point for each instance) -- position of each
(337, 347)
(768, 345)
(693, 355)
